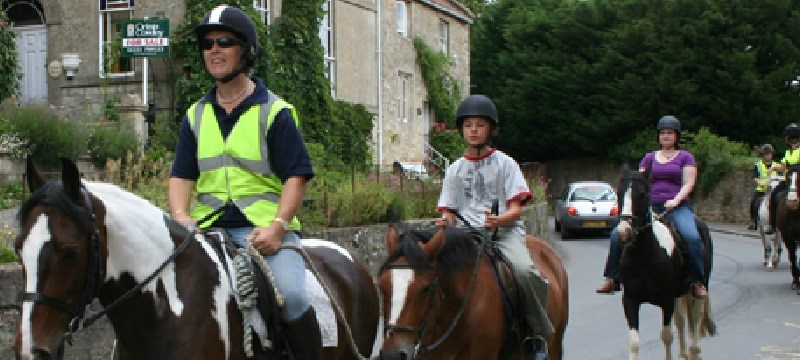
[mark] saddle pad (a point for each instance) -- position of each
(324, 310)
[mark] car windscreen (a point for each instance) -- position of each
(593, 193)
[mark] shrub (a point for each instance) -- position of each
(110, 143)
(7, 235)
(11, 193)
(48, 137)
(446, 141)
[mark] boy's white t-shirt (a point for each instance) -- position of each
(470, 185)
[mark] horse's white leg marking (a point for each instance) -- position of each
(666, 338)
(696, 306)
(38, 236)
(401, 279)
(327, 244)
(221, 295)
(633, 344)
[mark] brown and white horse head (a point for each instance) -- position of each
(419, 269)
(56, 225)
(634, 203)
(81, 240)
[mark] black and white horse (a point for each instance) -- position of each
(652, 270)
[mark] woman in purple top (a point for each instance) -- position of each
(673, 174)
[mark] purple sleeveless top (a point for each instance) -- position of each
(666, 178)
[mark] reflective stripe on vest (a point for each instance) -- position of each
(230, 170)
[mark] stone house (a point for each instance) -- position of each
(368, 53)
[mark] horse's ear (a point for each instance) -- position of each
(432, 247)
(70, 178)
(392, 238)
(32, 175)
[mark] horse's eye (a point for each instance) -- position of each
(69, 254)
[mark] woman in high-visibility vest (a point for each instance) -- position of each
(761, 176)
(240, 149)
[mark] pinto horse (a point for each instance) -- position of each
(441, 299)
(167, 296)
(652, 271)
(772, 243)
(787, 218)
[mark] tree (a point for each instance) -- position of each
(583, 78)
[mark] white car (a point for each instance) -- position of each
(586, 205)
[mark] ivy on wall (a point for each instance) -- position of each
(444, 91)
(9, 76)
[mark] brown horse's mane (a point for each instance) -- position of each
(52, 194)
(460, 249)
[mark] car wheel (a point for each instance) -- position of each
(566, 234)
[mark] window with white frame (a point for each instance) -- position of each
(403, 96)
(444, 36)
(401, 13)
(326, 36)
(263, 8)
(112, 14)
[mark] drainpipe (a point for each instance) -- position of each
(379, 81)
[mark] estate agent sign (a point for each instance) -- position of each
(142, 37)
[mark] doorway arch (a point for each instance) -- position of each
(31, 42)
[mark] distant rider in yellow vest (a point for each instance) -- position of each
(240, 149)
(792, 157)
(761, 176)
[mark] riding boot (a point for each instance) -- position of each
(535, 348)
(304, 337)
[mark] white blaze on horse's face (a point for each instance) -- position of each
(791, 195)
(624, 230)
(38, 236)
(401, 280)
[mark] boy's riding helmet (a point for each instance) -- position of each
(669, 122)
(477, 105)
(233, 19)
(792, 131)
(767, 149)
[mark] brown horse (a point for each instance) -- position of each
(787, 218)
(442, 300)
(167, 294)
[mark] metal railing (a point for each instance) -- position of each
(436, 158)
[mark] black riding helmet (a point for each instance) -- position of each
(669, 122)
(792, 131)
(480, 106)
(233, 19)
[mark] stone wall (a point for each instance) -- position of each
(366, 243)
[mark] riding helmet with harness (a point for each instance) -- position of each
(477, 105)
(232, 19)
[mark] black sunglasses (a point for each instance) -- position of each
(223, 42)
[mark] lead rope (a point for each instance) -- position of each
(336, 307)
(248, 296)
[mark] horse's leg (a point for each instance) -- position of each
(667, 310)
(776, 249)
(791, 249)
(631, 308)
(680, 324)
(697, 317)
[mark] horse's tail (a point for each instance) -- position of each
(708, 327)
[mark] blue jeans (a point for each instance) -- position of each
(289, 270)
(683, 218)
